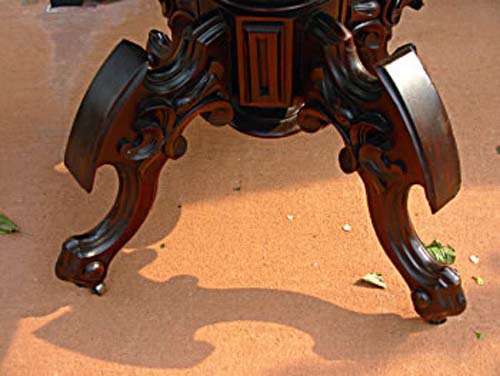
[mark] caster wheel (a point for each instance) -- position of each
(99, 290)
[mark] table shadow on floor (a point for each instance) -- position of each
(153, 324)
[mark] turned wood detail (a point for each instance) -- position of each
(271, 68)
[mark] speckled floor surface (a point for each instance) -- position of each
(237, 289)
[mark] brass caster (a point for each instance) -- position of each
(99, 290)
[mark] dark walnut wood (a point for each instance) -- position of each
(271, 68)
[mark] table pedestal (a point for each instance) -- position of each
(270, 69)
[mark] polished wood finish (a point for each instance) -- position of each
(265, 47)
(271, 68)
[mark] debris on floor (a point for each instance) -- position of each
(474, 259)
(478, 280)
(7, 226)
(237, 186)
(443, 254)
(374, 279)
(347, 228)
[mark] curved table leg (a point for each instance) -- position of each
(100, 136)
(436, 289)
(420, 150)
(85, 258)
(132, 117)
(397, 134)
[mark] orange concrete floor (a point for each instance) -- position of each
(237, 288)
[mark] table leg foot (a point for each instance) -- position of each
(85, 258)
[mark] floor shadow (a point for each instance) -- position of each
(153, 324)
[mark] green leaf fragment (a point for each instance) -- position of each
(6, 225)
(479, 280)
(498, 149)
(374, 279)
(443, 254)
(478, 334)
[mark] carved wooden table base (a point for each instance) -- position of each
(270, 68)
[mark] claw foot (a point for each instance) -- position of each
(74, 267)
(445, 298)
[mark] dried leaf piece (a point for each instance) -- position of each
(440, 253)
(6, 225)
(474, 259)
(374, 279)
(478, 280)
(478, 334)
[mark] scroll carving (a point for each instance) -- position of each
(371, 23)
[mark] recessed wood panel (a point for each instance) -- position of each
(265, 47)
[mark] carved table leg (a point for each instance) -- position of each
(85, 258)
(397, 134)
(133, 117)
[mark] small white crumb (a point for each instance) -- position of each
(290, 217)
(347, 228)
(316, 265)
(474, 259)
